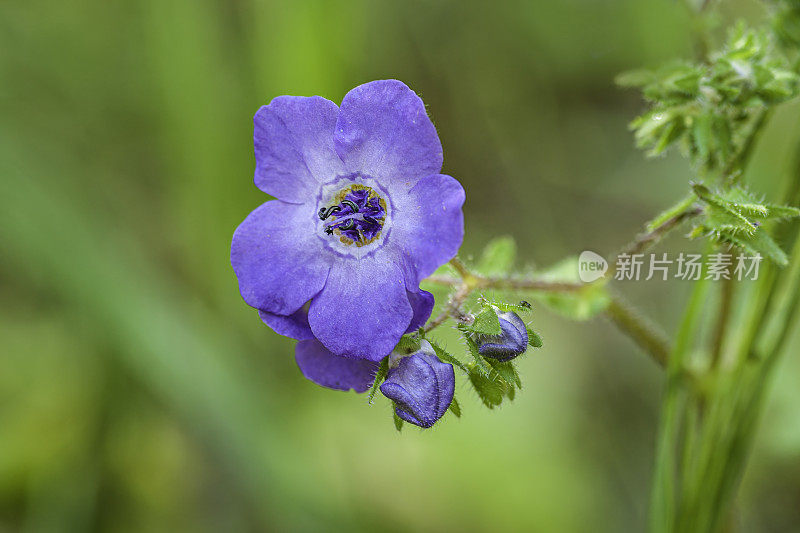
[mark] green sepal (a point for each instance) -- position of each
(408, 344)
(480, 365)
(398, 422)
(446, 357)
(455, 408)
(506, 307)
(486, 322)
(380, 376)
(534, 339)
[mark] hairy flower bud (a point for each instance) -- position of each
(421, 387)
(513, 341)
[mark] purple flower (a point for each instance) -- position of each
(340, 373)
(362, 215)
(421, 387)
(512, 342)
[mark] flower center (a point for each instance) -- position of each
(355, 215)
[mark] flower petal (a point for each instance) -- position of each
(294, 325)
(340, 373)
(446, 380)
(513, 340)
(363, 310)
(294, 151)
(383, 131)
(422, 388)
(278, 258)
(430, 225)
(422, 305)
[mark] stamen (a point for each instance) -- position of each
(352, 205)
(323, 214)
(358, 218)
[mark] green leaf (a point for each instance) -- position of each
(486, 322)
(724, 136)
(507, 371)
(702, 135)
(751, 206)
(380, 376)
(511, 393)
(498, 257)
(710, 107)
(491, 392)
(582, 303)
(778, 212)
(735, 216)
(505, 307)
(635, 78)
(671, 133)
(455, 408)
(398, 422)
(720, 219)
(759, 242)
(534, 339)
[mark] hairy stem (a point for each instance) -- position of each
(643, 332)
(467, 282)
(638, 328)
(453, 308)
(645, 240)
(522, 284)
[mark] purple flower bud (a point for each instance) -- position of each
(512, 342)
(421, 387)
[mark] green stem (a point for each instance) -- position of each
(685, 211)
(723, 319)
(638, 328)
(663, 506)
(630, 322)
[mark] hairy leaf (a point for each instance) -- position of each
(486, 322)
(498, 257)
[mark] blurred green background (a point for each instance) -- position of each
(139, 393)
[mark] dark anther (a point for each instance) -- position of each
(352, 204)
(323, 213)
(329, 230)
